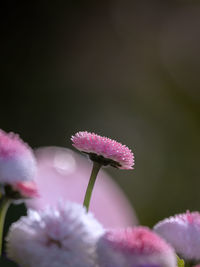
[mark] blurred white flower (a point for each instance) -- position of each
(182, 231)
(55, 237)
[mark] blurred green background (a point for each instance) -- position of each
(129, 70)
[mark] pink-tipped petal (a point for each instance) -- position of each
(104, 150)
(27, 189)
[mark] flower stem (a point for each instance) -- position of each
(95, 170)
(189, 263)
(4, 205)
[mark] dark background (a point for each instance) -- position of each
(129, 70)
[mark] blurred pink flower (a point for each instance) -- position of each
(104, 150)
(17, 162)
(133, 247)
(62, 173)
(182, 231)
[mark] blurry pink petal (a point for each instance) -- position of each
(17, 162)
(26, 189)
(62, 173)
(104, 150)
(133, 247)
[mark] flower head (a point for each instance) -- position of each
(56, 237)
(134, 247)
(17, 162)
(104, 150)
(183, 232)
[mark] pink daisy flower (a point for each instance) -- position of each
(134, 247)
(183, 232)
(17, 162)
(104, 150)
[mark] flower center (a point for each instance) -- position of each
(103, 161)
(52, 241)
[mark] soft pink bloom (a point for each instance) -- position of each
(63, 173)
(17, 162)
(62, 236)
(134, 247)
(26, 189)
(183, 232)
(104, 150)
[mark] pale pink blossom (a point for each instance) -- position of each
(182, 231)
(63, 173)
(17, 162)
(55, 237)
(134, 247)
(104, 150)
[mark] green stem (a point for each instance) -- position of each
(4, 205)
(95, 170)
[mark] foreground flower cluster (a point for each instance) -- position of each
(68, 235)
